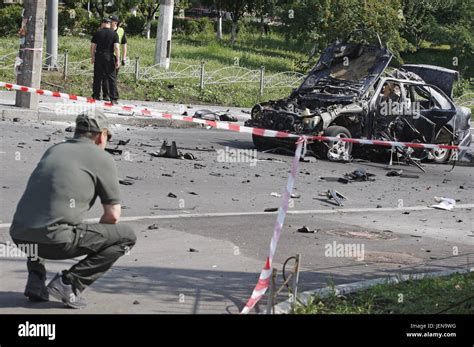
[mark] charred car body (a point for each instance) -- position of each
(350, 94)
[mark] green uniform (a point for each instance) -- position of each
(63, 187)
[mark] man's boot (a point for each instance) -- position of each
(36, 289)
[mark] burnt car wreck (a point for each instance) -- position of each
(351, 93)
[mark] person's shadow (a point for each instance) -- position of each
(18, 300)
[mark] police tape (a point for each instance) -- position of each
(151, 113)
(264, 279)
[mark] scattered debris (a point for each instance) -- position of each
(114, 151)
(44, 140)
(399, 173)
(444, 203)
(136, 178)
(275, 194)
(336, 196)
(335, 179)
(211, 115)
(70, 129)
(246, 181)
(216, 174)
(166, 175)
(167, 151)
(16, 119)
(136, 302)
(360, 175)
(153, 227)
(188, 156)
(304, 229)
(295, 196)
(199, 166)
(171, 195)
(193, 250)
(271, 209)
(405, 212)
(126, 182)
(123, 143)
(193, 193)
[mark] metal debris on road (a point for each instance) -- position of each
(126, 182)
(171, 195)
(336, 196)
(304, 229)
(153, 227)
(271, 209)
(446, 204)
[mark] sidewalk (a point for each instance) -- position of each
(47, 106)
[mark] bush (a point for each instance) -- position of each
(10, 20)
(65, 22)
(135, 25)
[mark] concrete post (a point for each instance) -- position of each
(31, 52)
(163, 34)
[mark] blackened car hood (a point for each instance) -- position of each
(345, 71)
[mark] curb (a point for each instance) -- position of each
(34, 115)
(342, 289)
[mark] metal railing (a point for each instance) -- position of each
(178, 70)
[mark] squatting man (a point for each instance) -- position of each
(62, 188)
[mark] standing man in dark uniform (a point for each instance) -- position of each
(115, 25)
(49, 217)
(104, 44)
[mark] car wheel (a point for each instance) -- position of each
(337, 150)
(440, 155)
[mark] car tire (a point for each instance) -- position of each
(440, 156)
(336, 151)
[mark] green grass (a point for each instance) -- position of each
(251, 50)
(425, 296)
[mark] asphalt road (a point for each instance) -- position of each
(219, 212)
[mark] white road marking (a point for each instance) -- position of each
(296, 212)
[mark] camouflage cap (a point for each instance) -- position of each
(93, 121)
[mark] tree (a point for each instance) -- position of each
(263, 9)
(148, 9)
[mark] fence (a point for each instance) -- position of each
(178, 70)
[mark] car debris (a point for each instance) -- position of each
(336, 179)
(446, 204)
(192, 250)
(114, 151)
(171, 195)
(275, 194)
(271, 209)
(126, 182)
(153, 227)
(336, 196)
(366, 99)
(304, 229)
(399, 173)
(199, 166)
(211, 115)
(123, 143)
(359, 175)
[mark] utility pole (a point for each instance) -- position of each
(31, 52)
(52, 35)
(163, 34)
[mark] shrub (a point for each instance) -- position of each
(135, 25)
(10, 20)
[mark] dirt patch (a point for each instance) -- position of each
(363, 234)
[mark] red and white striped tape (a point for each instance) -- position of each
(264, 279)
(151, 113)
